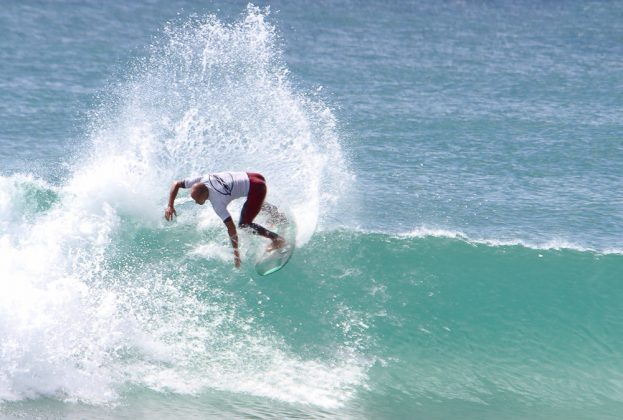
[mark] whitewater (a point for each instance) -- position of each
(454, 173)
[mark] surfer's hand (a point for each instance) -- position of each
(169, 212)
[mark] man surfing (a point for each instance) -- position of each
(221, 189)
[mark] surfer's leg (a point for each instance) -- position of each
(253, 205)
(254, 228)
(255, 198)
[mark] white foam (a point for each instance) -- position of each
(55, 329)
(213, 251)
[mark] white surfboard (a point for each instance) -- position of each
(274, 260)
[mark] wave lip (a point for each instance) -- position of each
(551, 244)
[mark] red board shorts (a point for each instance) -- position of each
(255, 198)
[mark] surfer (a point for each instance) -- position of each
(221, 189)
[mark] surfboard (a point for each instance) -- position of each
(269, 262)
(274, 260)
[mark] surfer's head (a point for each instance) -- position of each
(199, 192)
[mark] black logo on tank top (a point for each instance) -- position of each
(220, 185)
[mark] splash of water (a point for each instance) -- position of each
(97, 294)
(213, 96)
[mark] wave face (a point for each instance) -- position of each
(527, 333)
(359, 324)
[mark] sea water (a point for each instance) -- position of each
(454, 170)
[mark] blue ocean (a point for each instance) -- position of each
(454, 170)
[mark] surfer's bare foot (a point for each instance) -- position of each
(278, 242)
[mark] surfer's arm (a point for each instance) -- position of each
(170, 210)
(233, 237)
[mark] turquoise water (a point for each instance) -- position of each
(454, 171)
